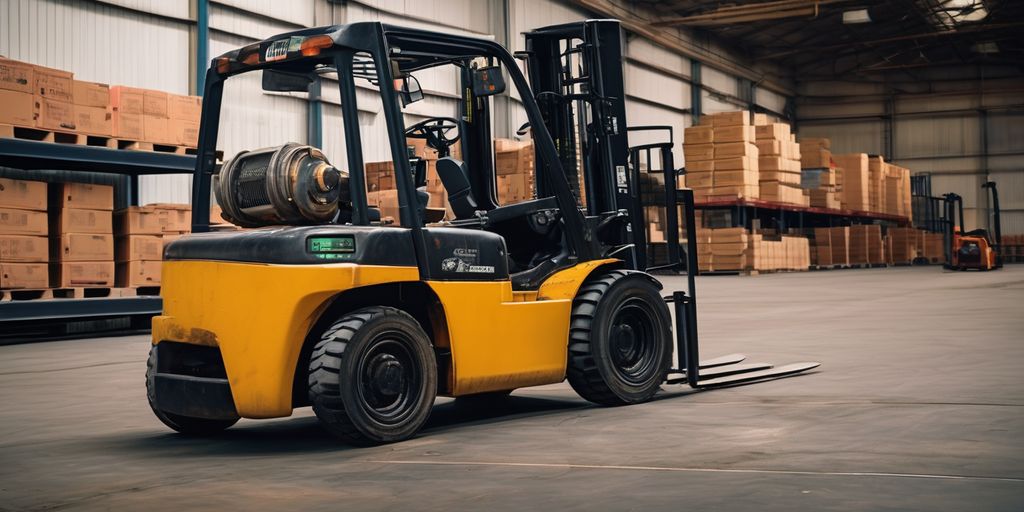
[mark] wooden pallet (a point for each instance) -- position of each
(89, 292)
(837, 266)
(82, 139)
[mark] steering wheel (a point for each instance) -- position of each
(436, 131)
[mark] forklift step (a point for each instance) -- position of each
(756, 376)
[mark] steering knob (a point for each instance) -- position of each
(327, 177)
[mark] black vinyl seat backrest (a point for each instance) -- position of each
(455, 179)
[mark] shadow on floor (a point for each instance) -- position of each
(304, 434)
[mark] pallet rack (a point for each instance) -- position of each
(23, 319)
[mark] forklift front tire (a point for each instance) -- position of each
(620, 339)
(373, 377)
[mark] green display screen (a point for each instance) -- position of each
(332, 247)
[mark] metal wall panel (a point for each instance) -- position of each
(245, 25)
(646, 51)
(930, 136)
(719, 81)
(651, 85)
(771, 100)
(298, 12)
(851, 137)
(173, 8)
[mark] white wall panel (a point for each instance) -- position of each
(719, 81)
(771, 100)
(97, 42)
(173, 8)
(243, 24)
(298, 12)
(645, 51)
(651, 85)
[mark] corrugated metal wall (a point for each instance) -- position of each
(145, 43)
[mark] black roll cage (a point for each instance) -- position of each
(413, 50)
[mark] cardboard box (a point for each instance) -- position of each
(139, 273)
(185, 108)
(698, 151)
(698, 135)
(138, 220)
(82, 273)
(174, 218)
(94, 120)
(83, 247)
(18, 108)
(77, 220)
(23, 222)
(733, 149)
(23, 275)
(700, 166)
(54, 84)
(25, 249)
(17, 76)
(156, 129)
(816, 142)
(738, 117)
(855, 180)
(91, 94)
(87, 196)
(126, 100)
(53, 114)
(154, 103)
(139, 247)
(769, 148)
(184, 133)
(773, 131)
(814, 158)
(22, 194)
(738, 133)
(736, 163)
(127, 126)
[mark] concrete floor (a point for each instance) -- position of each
(919, 405)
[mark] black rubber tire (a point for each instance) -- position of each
(342, 392)
(183, 424)
(597, 367)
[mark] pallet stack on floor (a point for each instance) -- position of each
(1013, 248)
(739, 250)
(24, 242)
(50, 104)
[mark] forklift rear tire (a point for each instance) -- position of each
(183, 424)
(373, 377)
(620, 339)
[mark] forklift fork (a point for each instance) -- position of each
(721, 371)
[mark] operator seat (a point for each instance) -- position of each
(455, 179)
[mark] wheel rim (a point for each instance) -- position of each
(390, 381)
(634, 342)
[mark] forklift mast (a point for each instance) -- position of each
(575, 72)
(997, 235)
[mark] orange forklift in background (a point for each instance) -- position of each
(972, 249)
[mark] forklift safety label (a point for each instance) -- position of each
(465, 260)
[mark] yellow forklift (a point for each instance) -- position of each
(321, 304)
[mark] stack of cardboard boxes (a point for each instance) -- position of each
(895, 191)
(24, 246)
(82, 237)
(51, 99)
(854, 179)
(513, 164)
(819, 176)
(866, 245)
(779, 164)
(903, 245)
(721, 157)
(141, 233)
(737, 249)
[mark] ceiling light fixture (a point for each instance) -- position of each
(856, 16)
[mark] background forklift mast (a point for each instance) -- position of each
(976, 248)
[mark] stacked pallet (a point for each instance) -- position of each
(854, 179)
(895, 191)
(819, 176)
(82, 235)
(721, 157)
(40, 98)
(904, 245)
(24, 245)
(779, 164)
(865, 245)
(933, 247)
(737, 249)
(832, 247)
(513, 164)
(140, 235)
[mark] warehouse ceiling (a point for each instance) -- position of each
(863, 39)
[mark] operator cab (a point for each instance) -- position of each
(297, 184)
